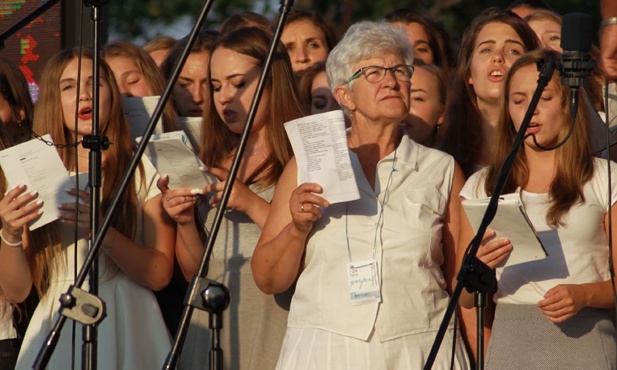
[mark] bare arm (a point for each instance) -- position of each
(277, 259)
(179, 204)
(150, 264)
(15, 213)
(451, 228)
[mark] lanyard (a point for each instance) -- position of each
(382, 204)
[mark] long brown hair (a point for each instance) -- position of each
(463, 119)
(14, 89)
(49, 119)
(217, 142)
(150, 72)
(574, 160)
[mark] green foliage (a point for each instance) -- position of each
(133, 17)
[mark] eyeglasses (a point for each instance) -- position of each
(373, 74)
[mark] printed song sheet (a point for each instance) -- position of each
(172, 154)
(39, 167)
(192, 128)
(511, 222)
(320, 146)
(139, 111)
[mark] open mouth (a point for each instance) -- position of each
(85, 113)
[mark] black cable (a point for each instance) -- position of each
(557, 145)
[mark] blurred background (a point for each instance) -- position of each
(138, 21)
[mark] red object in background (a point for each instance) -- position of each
(33, 45)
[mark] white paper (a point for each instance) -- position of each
(138, 111)
(39, 167)
(510, 222)
(320, 145)
(192, 127)
(172, 154)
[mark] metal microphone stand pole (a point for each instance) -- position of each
(203, 293)
(95, 143)
(475, 275)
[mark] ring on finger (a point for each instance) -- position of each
(167, 198)
(302, 207)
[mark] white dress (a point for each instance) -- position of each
(133, 336)
(400, 222)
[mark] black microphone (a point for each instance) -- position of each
(575, 63)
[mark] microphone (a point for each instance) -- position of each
(575, 63)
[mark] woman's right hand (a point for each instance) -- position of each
(17, 210)
(178, 203)
(304, 206)
(493, 251)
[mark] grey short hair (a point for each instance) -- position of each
(365, 40)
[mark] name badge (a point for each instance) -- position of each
(363, 282)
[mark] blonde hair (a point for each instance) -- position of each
(574, 160)
(45, 242)
(151, 73)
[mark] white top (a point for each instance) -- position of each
(577, 252)
(133, 336)
(408, 250)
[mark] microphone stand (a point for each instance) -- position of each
(95, 143)
(87, 309)
(474, 275)
(203, 293)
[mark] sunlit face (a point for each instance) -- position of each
(305, 43)
(417, 36)
(548, 118)
(129, 78)
(70, 101)
(496, 48)
(322, 100)
(190, 89)
(425, 108)
(548, 32)
(386, 101)
(234, 79)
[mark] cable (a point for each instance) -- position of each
(557, 145)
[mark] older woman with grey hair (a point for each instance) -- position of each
(372, 274)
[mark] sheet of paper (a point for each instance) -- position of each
(171, 154)
(320, 145)
(510, 222)
(192, 127)
(139, 111)
(39, 167)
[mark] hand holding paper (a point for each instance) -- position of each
(40, 168)
(320, 146)
(511, 222)
(172, 155)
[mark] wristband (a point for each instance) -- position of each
(12, 245)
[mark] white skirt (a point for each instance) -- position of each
(308, 349)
